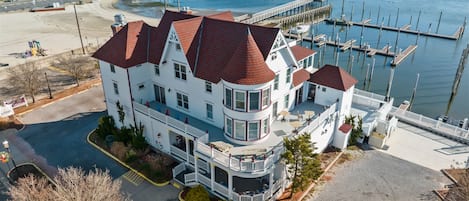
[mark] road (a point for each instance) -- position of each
(55, 136)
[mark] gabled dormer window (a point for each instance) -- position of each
(178, 47)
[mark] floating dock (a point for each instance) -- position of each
(406, 29)
(400, 57)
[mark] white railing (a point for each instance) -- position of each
(276, 11)
(189, 178)
(326, 115)
(191, 159)
(178, 169)
(247, 165)
(220, 188)
(170, 121)
(203, 165)
(369, 94)
(204, 180)
(277, 185)
(434, 125)
(366, 101)
(180, 153)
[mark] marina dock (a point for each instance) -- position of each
(400, 57)
(292, 12)
(406, 29)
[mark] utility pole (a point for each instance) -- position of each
(48, 86)
(79, 31)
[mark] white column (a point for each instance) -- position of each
(230, 185)
(212, 174)
(271, 180)
(187, 149)
(196, 167)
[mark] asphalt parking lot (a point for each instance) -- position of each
(379, 176)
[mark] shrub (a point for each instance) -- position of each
(197, 193)
(124, 135)
(138, 140)
(119, 150)
(106, 126)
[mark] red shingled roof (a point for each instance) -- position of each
(300, 76)
(208, 42)
(128, 47)
(247, 66)
(345, 128)
(334, 77)
(301, 52)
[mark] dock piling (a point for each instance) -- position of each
(439, 21)
(397, 17)
(363, 10)
(418, 20)
(377, 18)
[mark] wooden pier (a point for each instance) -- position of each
(294, 11)
(405, 29)
(400, 57)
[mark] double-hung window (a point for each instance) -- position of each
(276, 82)
(228, 98)
(209, 111)
(240, 130)
(208, 86)
(116, 88)
(265, 97)
(113, 68)
(157, 69)
(229, 126)
(288, 75)
(253, 101)
(183, 100)
(253, 130)
(287, 97)
(265, 126)
(240, 100)
(180, 71)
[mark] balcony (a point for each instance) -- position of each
(256, 158)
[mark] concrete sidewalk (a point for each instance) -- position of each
(425, 148)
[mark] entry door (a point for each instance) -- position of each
(312, 92)
(159, 94)
(299, 96)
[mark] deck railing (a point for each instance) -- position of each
(203, 180)
(241, 165)
(433, 125)
(189, 178)
(178, 169)
(320, 119)
(220, 188)
(178, 152)
(265, 14)
(170, 121)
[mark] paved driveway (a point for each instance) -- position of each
(379, 176)
(55, 136)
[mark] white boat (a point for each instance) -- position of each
(300, 29)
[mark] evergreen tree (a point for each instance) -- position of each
(302, 163)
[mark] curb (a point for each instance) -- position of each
(124, 164)
(319, 178)
(180, 196)
(39, 169)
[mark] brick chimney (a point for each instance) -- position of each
(119, 23)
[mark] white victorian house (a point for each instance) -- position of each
(220, 96)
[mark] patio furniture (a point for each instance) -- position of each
(295, 124)
(309, 114)
(284, 113)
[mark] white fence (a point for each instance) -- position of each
(433, 125)
(262, 15)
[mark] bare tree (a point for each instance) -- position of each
(78, 66)
(71, 184)
(27, 77)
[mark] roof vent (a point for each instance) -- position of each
(119, 22)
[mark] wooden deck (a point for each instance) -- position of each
(400, 57)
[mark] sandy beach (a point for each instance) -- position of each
(57, 30)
